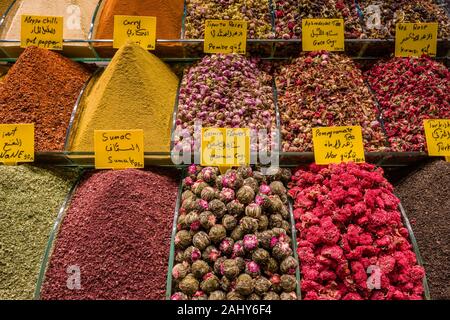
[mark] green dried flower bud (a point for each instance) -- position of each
(217, 233)
(244, 285)
(288, 283)
(210, 283)
(277, 187)
(263, 223)
(199, 268)
(245, 194)
(260, 256)
(230, 269)
(217, 295)
(189, 285)
(288, 265)
(288, 296)
(183, 239)
(249, 225)
(238, 233)
(271, 296)
(262, 285)
(233, 295)
(253, 210)
(217, 207)
(207, 219)
(201, 240)
(229, 222)
(271, 267)
(208, 194)
(252, 183)
(253, 297)
(235, 208)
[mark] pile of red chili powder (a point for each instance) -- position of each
(410, 90)
(117, 232)
(42, 88)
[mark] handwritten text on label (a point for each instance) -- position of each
(42, 31)
(338, 144)
(119, 149)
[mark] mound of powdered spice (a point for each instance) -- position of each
(352, 244)
(168, 13)
(136, 91)
(322, 89)
(410, 90)
(425, 197)
(42, 88)
(289, 15)
(255, 12)
(30, 199)
(117, 231)
(397, 11)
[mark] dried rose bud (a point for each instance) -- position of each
(264, 189)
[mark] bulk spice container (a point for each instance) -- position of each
(77, 24)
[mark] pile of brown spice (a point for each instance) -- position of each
(42, 88)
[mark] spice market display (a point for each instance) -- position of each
(188, 206)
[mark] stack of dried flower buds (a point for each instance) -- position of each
(410, 90)
(352, 244)
(325, 89)
(255, 12)
(288, 15)
(392, 12)
(234, 237)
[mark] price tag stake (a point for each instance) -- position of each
(338, 144)
(138, 29)
(16, 143)
(323, 34)
(437, 134)
(225, 147)
(225, 36)
(416, 39)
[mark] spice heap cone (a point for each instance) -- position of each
(42, 88)
(30, 198)
(136, 91)
(117, 232)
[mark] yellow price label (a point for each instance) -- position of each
(225, 147)
(437, 134)
(415, 39)
(138, 29)
(225, 36)
(323, 34)
(338, 144)
(16, 143)
(119, 149)
(42, 31)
